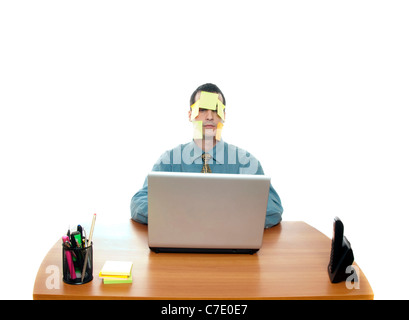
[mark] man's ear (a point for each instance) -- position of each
(190, 114)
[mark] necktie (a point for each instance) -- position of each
(206, 157)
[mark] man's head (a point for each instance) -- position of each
(208, 87)
(207, 122)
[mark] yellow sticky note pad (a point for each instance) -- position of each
(219, 131)
(116, 269)
(220, 109)
(197, 129)
(208, 100)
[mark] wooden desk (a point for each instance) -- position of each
(292, 264)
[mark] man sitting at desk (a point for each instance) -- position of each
(207, 153)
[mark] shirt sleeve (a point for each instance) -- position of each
(274, 207)
(139, 202)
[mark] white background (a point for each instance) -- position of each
(92, 93)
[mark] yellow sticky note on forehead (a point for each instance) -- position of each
(208, 100)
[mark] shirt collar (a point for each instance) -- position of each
(217, 149)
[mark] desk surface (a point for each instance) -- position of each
(292, 264)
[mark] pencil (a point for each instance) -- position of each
(89, 244)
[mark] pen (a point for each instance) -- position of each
(78, 238)
(90, 243)
(81, 230)
(71, 268)
(85, 238)
(73, 242)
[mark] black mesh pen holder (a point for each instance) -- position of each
(77, 264)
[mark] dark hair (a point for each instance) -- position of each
(208, 87)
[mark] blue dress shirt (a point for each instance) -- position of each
(227, 158)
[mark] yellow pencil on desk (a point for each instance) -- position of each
(89, 243)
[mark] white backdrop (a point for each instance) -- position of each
(92, 92)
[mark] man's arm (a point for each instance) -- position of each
(139, 202)
(274, 209)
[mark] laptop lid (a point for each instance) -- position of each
(196, 212)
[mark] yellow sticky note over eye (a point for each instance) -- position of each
(195, 111)
(220, 109)
(197, 129)
(208, 100)
(219, 131)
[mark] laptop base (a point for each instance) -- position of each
(202, 250)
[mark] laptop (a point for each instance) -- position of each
(206, 212)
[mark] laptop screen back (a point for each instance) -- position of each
(206, 211)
